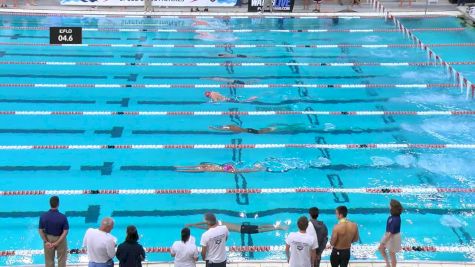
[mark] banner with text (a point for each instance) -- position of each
(197, 3)
(278, 5)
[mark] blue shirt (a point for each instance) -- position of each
(53, 222)
(393, 224)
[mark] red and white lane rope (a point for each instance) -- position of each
(234, 64)
(225, 191)
(243, 146)
(143, 28)
(275, 248)
(25, 12)
(241, 113)
(243, 45)
(210, 86)
(462, 81)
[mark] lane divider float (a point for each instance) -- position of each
(209, 86)
(234, 64)
(41, 28)
(274, 248)
(226, 191)
(231, 146)
(243, 45)
(240, 113)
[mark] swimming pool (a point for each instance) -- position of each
(126, 110)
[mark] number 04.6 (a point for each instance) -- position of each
(68, 38)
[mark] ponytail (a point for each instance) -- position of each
(185, 234)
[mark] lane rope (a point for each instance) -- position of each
(463, 82)
(226, 191)
(234, 64)
(39, 28)
(274, 248)
(243, 146)
(240, 113)
(244, 45)
(25, 12)
(208, 86)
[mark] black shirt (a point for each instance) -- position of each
(130, 254)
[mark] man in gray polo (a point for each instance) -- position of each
(53, 228)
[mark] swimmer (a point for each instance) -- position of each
(238, 129)
(217, 97)
(232, 55)
(200, 23)
(213, 167)
(245, 228)
(269, 129)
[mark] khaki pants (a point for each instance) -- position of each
(148, 6)
(61, 252)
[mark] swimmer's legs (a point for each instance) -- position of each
(269, 228)
(385, 256)
(392, 255)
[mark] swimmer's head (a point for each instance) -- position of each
(208, 94)
(228, 168)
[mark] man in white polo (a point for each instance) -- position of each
(213, 242)
(100, 244)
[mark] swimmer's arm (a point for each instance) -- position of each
(200, 225)
(313, 256)
(287, 252)
(334, 237)
(357, 235)
(216, 128)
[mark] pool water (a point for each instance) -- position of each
(33, 80)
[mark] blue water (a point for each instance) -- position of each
(430, 219)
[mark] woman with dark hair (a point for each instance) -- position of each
(130, 253)
(185, 251)
(392, 238)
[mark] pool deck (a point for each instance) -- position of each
(323, 264)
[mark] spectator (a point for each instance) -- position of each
(130, 253)
(401, 1)
(53, 229)
(317, 5)
(148, 6)
(3, 3)
(100, 244)
(301, 247)
(319, 231)
(213, 242)
(392, 238)
(344, 234)
(185, 251)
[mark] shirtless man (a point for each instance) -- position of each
(244, 228)
(344, 234)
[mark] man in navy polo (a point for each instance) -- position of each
(53, 229)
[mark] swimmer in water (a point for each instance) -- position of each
(217, 97)
(244, 228)
(232, 55)
(238, 129)
(231, 81)
(273, 128)
(213, 167)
